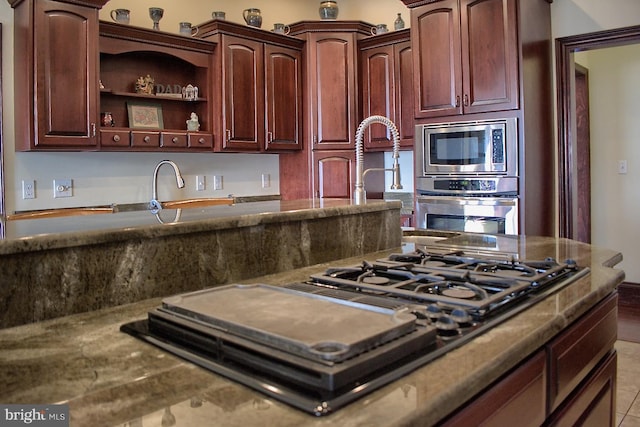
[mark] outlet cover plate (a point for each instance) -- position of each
(28, 189)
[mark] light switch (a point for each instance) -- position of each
(622, 167)
(200, 183)
(217, 182)
(62, 188)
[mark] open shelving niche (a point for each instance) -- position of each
(127, 53)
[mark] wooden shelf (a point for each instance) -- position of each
(145, 96)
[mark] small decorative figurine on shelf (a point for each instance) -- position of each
(145, 85)
(106, 119)
(398, 24)
(193, 124)
(190, 92)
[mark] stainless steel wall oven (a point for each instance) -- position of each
(467, 176)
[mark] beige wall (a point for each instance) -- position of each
(285, 11)
(614, 91)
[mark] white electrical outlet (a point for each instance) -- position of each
(266, 180)
(622, 167)
(200, 183)
(217, 182)
(28, 189)
(62, 188)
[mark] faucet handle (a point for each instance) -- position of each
(155, 206)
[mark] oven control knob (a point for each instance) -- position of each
(461, 317)
(446, 326)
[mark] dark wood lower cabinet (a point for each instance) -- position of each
(570, 381)
(518, 397)
(593, 403)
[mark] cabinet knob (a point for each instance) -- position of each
(270, 137)
(93, 129)
(466, 100)
(116, 138)
(147, 139)
(174, 139)
(457, 101)
(201, 140)
(228, 135)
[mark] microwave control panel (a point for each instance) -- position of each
(497, 137)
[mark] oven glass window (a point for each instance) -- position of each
(458, 148)
(474, 224)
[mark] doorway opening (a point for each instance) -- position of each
(570, 204)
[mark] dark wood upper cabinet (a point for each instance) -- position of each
(56, 75)
(333, 89)
(466, 57)
(386, 69)
(258, 78)
(283, 95)
(242, 93)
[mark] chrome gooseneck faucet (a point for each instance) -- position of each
(359, 194)
(154, 204)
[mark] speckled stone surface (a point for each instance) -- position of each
(133, 258)
(111, 379)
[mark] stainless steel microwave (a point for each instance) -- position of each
(487, 147)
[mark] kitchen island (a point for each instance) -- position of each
(59, 266)
(109, 378)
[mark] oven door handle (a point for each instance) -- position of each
(461, 200)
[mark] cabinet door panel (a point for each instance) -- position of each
(436, 33)
(283, 98)
(242, 93)
(66, 78)
(334, 172)
(519, 395)
(490, 55)
(593, 404)
(378, 89)
(334, 91)
(405, 96)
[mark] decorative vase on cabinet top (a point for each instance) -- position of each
(328, 9)
(252, 17)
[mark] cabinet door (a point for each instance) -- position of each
(66, 75)
(283, 94)
(520, 396)
(334, 173)
(332, 80)
(593, 404)
(489, 55)
(242, 94)
(435, 31)
(378, 94)
(405, 95)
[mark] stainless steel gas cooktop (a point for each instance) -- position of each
(320, 344)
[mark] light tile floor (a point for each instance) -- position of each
(628, 388)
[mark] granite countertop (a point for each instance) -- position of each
(109, 378)
(48, 233)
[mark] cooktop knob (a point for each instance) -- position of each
(462, 317)
(446, 326)
(434, 312)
